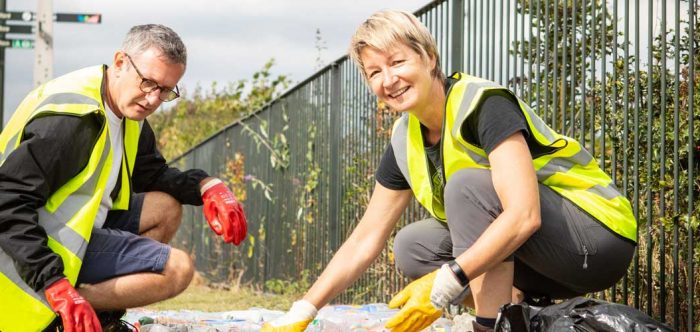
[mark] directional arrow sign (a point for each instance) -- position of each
(78, 18)
(58, 17)
(12, 28)
(17, 16)
(17, 43)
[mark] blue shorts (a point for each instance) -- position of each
(116, 249)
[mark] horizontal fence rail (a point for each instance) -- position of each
(619, 76)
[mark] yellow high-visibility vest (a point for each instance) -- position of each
(569, 170)
(69, 213)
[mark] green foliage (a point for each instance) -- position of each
(199, 115)
(284, 287)
(642, 117)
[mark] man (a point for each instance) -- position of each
(88, 204)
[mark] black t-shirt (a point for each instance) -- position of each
(496, 119)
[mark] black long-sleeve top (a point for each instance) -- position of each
(53, 150)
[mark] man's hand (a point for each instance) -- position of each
(296, 319)
(417, 311)
(223, 212)
(76, 313)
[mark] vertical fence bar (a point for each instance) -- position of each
(572, 96)
(662, 172)
(538, 63)
(582, 112)
(457, 34)
(676, 192)
(649, 101)
(480, 46)
(603, 85)
(635, 177)
(522, 50)
(529, 53)
(555, 71)
(486, 41)
(625, 124)
(692, 7)
(614, 98)
(507, 43)
(591, 125)
(515, 49)
(547, 89)
(492, 73)
(564, 54)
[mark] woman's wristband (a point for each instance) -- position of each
(459, 273)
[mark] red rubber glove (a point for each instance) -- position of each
(223, 212)
(76, 313)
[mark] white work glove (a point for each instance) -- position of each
(446, 287)
(297, 318)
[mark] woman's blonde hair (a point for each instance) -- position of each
(388, 28)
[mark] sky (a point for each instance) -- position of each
(227, 40)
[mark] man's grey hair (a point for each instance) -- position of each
(142, 37)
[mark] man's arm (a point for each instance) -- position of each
(152, 173)
(53, 150)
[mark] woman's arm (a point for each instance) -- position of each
(515, 182)
(362, 247)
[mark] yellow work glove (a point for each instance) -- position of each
(416, 312)
(424, 299)
(296, 319)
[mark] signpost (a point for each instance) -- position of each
(42, 28)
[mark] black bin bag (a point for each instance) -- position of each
(578, 314)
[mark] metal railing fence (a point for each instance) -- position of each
(620, 77)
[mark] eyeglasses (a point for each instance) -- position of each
(149, 86)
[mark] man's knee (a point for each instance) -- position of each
(179, 271)
(162, 211)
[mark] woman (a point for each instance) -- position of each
(516, 208)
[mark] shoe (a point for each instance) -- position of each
(112, 321)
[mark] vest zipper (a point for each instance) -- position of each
(585, 257)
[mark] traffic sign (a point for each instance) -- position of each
(14, 28)
(26, 16)
(58, 17)
(17, 43)
(78, 18)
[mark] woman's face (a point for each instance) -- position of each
(400, 76)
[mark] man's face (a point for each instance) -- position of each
(128, 97)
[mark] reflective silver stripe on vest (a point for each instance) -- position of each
(68, 98)
(398, 143)
(57, 99)
(9, 148)
(55, 223)
(467, 98)
(563, 164)
(474, 156)
(607, 192)
(540, 126)
(7, 267)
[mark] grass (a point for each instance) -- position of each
(202, 296)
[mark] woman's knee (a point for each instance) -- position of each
(471, 205)
(470, 185)
(421, 247)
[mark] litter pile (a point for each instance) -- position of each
(368, 317)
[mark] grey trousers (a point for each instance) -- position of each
(571, 254)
